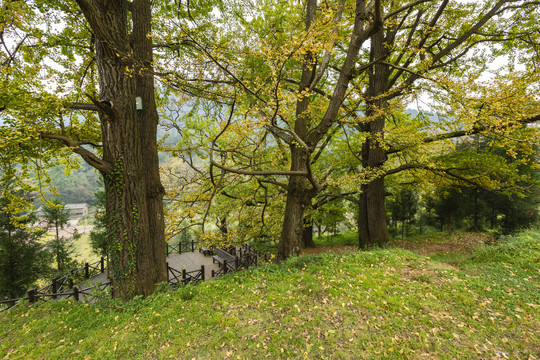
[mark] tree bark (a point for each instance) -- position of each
(298, 197)
(372, 227)
(148, 119)
(298, 193)
(133, 189)
(307, 233)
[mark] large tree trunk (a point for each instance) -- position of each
(133, 189)
(372, 227)
(298, 197)
(298, 193)
(148, 119)
(307, 233)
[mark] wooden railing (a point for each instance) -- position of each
(177, 278)
(65, 287)
(181, 247)
(60, 287)
(245, 256)
(33, 295)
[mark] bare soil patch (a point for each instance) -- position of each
(461, 243)
(453, 243)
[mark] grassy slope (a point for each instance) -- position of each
(378, 304)
(83, 249)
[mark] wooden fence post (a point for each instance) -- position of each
(102, 265)
(167, 249)
(86, 271)
(76, 293)
(213, 273)
(184, 275)
(192, 246)
(54, 287)
(31, 295)
(202, 272)
(224, 266)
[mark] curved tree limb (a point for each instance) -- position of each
(259, 173)
(84, 106)
(93, 160)
(477, 128)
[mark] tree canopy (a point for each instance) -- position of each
(282, 109)
(315, 96)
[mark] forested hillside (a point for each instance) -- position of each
(79, 186)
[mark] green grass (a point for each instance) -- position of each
(380, 304)
(348, 238)
(83, 249)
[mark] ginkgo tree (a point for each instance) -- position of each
(95, 58)
(302, 80)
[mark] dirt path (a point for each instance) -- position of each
(448, 243)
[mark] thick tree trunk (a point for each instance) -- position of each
(148, 119)
(307, 234)
(133, 189)
(298, 193)
(372, 227)
(290, 242)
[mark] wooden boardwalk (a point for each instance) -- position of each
(86, 290)
(189, 260)
(192, 261)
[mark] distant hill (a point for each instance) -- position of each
(77, 187)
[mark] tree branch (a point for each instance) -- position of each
(404, 7)
(358, 37)
(280, 133)
(258, 173)
(277, 183)
(102, 166)
(326, 58)
(84, 106)
(477, 128)
(448, 49)
(341, 196)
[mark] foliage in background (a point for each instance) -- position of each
(73, 185)
(403, 207)
(98, 236)
(504, 201)
(61, 247)
(23, 258)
